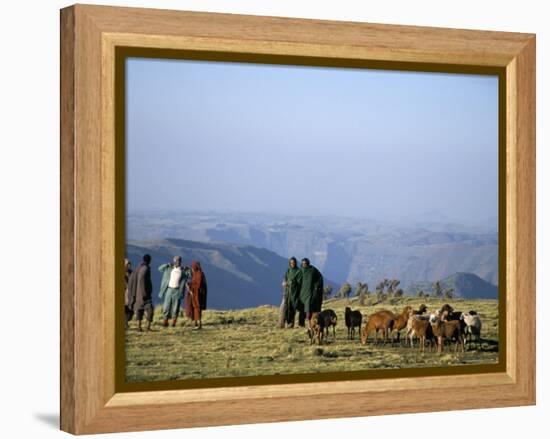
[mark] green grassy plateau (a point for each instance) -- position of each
(247, 342)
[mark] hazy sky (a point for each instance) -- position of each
(313, 141)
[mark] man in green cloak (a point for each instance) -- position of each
(311, 289)
(172, 288)
(291, 285)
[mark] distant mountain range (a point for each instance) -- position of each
(344, 249)
(244, 276)
(465, 285)
(238, 276)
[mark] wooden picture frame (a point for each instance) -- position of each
(91, 401)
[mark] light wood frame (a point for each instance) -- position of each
(89, 38)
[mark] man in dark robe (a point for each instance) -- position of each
(291, 291)
(128, 312)
(140, 293)
(311, 289)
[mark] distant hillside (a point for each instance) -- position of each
(238, 276)
(465, 285)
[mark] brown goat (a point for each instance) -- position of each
(421, 327)
(417, 314)
(447, 313)
(400, 321)
(379, 321)
(443, 329)
(316, 328)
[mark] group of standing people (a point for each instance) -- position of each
(177, 280)
(302, 293)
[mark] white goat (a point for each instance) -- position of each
(473, 327)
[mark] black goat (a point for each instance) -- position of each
(421, 310)
(353, 320)
(329, 318)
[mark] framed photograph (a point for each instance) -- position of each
(268, 219)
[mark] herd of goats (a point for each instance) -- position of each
(434, 329)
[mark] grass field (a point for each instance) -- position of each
(247, 342)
